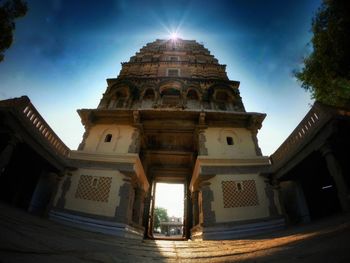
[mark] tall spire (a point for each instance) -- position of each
(173, 73)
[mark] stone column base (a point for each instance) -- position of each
(236, 230)
(97, 225)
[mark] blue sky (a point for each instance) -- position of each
(64, 50)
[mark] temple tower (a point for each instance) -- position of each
(172, 115)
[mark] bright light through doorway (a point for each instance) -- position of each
(170, 197)
(168, 224)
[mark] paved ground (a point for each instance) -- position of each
(26, 238)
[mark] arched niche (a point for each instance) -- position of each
(148, 97)
(192, 94)
(193, 98)
(119, 98)
(171, 84)
(122, 95)
(171, 94)
(149, 94)
(221, 98)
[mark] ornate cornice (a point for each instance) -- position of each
(207, 167)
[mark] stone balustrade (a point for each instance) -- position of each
(314, 119)
(32, 119)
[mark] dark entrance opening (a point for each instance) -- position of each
(26, 182)
(318, 188)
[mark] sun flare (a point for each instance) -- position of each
(174, 36)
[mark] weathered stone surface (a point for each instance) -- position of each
(26, 238)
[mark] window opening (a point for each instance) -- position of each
(173, 72)
(192, 95)
(149, 94)
(239, 186)
(94, 182)
(108, 138)
(174, 58)
(229, 140)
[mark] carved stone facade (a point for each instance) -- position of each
(171, 107)
(179, 74)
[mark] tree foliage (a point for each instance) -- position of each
(9, 11)
(160, 215)
(326, 71)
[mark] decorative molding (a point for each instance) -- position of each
(256, 144)
(128, 163)
(202, 149)
(122, 167)
(138, 207)
(61, 202)
(238, 229)
(135, 142)
(209, 170)
(195, 205)
(207, 197)
(270, 194)
(85, 136)
(234, 197)
(88, 191)
(207, 167)
(102, 224)
(122, 212)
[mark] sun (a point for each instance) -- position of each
(174, 36)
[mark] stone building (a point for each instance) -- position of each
(172, 227)
(311, 168)
(172, 115)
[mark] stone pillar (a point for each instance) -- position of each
(146, 213)
(58, 179)
(188, 220)
(302, 204)
(6, 154)
(195, 210)
(293, 202)
(61, 202)
(271, 197)
(207, 197)
(135, 144)
(42, 194)
(123, 213)
(277, 188)
(337, 174)
(202, 150)
(138, 207)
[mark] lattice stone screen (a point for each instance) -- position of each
(242, 195)
(93, 188)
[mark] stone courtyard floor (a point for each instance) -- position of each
(27, 238)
